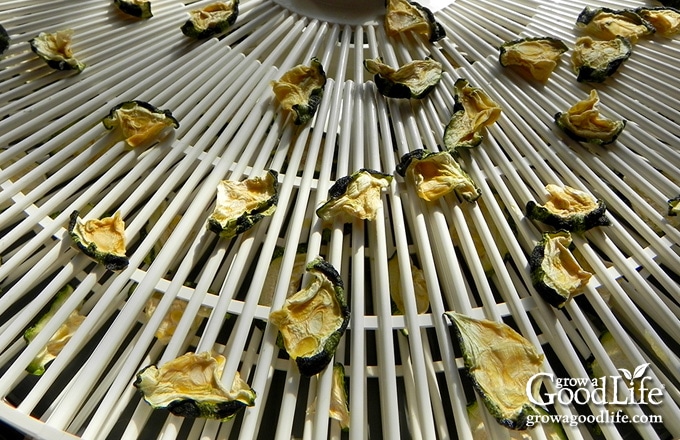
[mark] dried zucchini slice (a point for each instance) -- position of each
(240, 205)
(666, 21)
(4, 40)
(674, 206)
(55, 49)
(300, 90)
(478, 105)
(583, 123)
(191, 386)
(533, 58)
(555, 273)
(412, 80)
(339, 408)
(135, 8)
(211, 20)
(435, 174)
(500, 362)
(403, 15)
(63, 334)
(313, 320)
(607, 23)
(140, 122)
(355, 196)
(101, 239)
(596, 60)
(569, 209)
(460, 132)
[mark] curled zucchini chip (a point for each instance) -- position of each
(134, 8)
(533, 58)
(583, 123)
(674, 206)
(403, 16)
(412, 80)
(500, 362)
(460, 132)
(478, 105)
(666, 21)
(240, 205)
(63, 334)
(55, 49)
(596, 60)
(355, 196)
(211, 20)
(569, 209)
(339, 408)
(101, 239)
(4, 40)
(313, 320)
(300, 90)
(607, 24)
(191, 386)
(555, 273)
(140, 122)
(473, 110)
(435, 174)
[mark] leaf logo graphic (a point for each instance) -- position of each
(637, 373)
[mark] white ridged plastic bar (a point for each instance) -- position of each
(405, 374)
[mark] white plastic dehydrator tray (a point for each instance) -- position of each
(56, 157)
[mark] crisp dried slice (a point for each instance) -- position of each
(300, 90)
(4, 40)
(478, 105)
(533, 58)
(313, 320)
(555, 273)
(412, 80)
(596, 60)
(607, 24)
(435, 174)
(171, 319)
(355, 196)
(339, 407)
(569, 209)
(404, 16)
(500, 362)
(240, 205)
(140, 122)
(191, 386)
(63, 334)
(101, 239)
(472, 111)
(210, 20)
(55, 49)
(666, 21)
(460, 131)
(583, 122)
(135, 8)
(674, 206)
